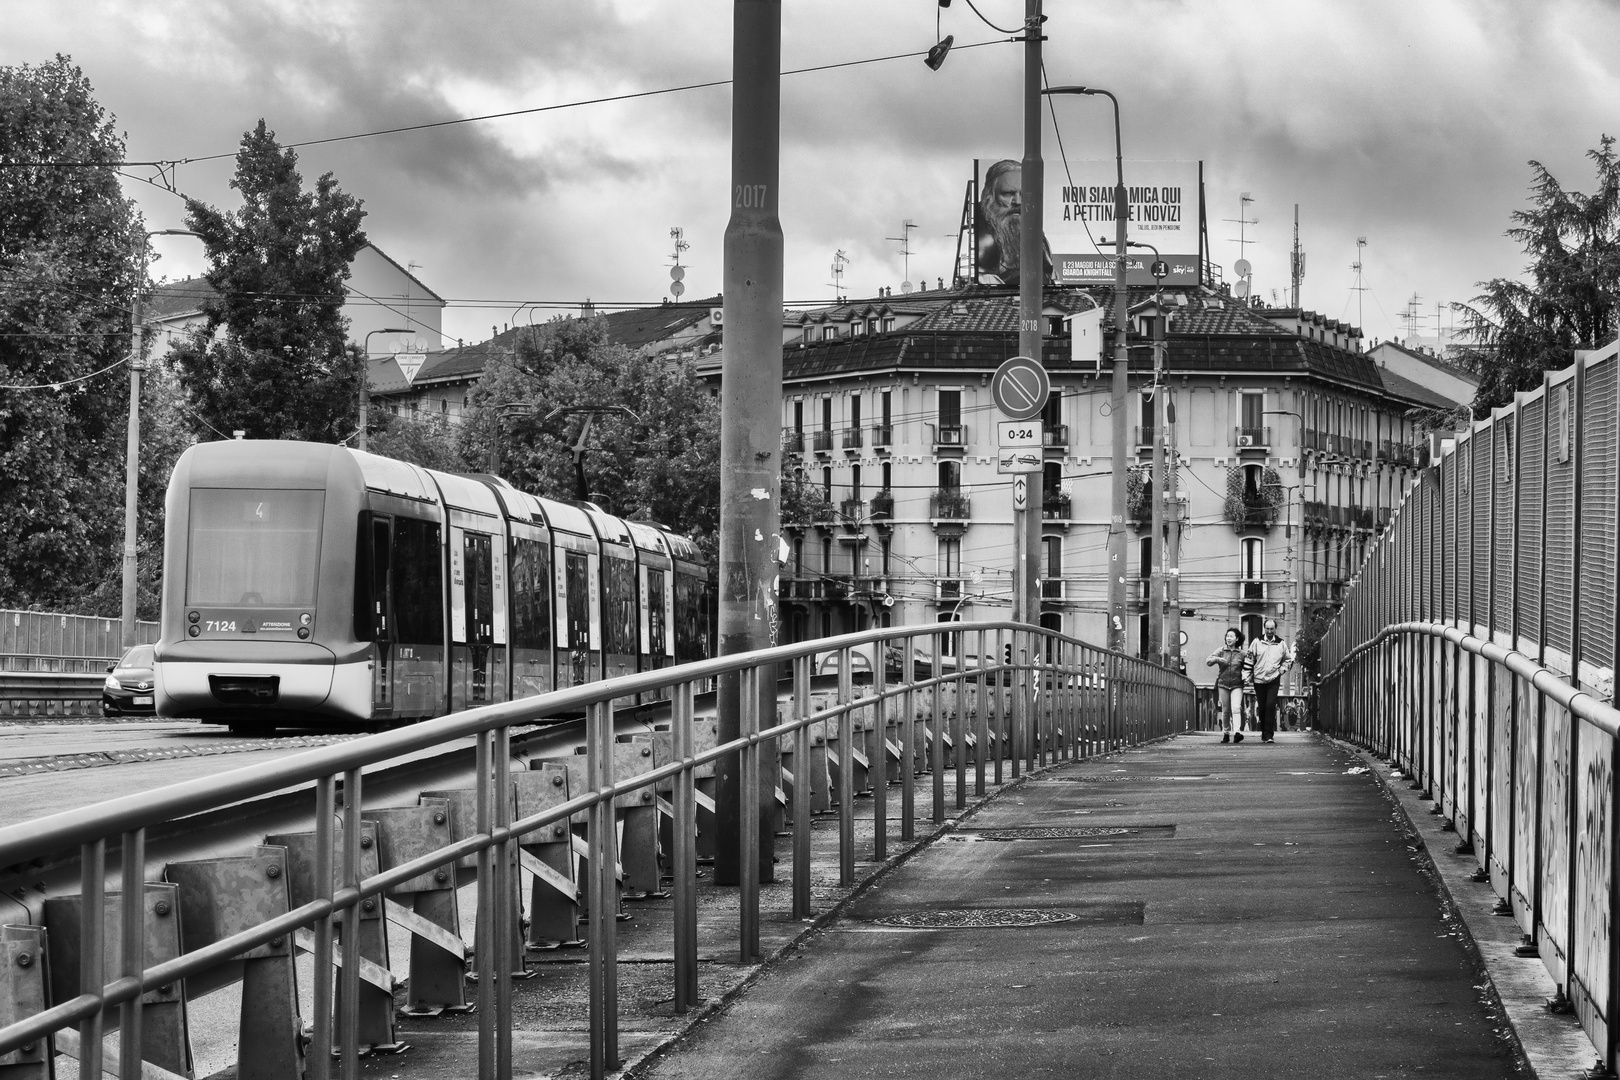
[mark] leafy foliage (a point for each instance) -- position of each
(283, 367)
(662, 463)
(69, 257)
(1520, 329)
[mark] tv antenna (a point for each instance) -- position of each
(1359, 287)
(1242, 267)
(1411, 317)
(677, 272)
(840, 260)
(904, 240)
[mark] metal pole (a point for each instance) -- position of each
(1026, 603)
(750, 395)
(132, 450)
(1172, 550)
(1118, 552)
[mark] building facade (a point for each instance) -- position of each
(1290, 449)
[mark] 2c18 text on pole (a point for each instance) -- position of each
(751, 196)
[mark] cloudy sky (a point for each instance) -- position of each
(1408, 122)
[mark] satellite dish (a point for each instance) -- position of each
(676, 288)
(676, 273)
(1241, 289)
(1242, 268)
(905, 286)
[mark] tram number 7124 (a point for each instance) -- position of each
(220, 626)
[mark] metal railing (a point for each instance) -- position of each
(949, 504)
(1046, 699)
(1477, 650)
(852, 438)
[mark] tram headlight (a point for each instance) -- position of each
(195, 630)
(306, 618)
(194, 616)
(303, 633)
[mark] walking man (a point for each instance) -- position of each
(1264, 661)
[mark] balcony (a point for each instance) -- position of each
(1252, 438)
(792, 441)
(882, 511)
(948, 590)
(852, 512)
(801, 588)
(1055, 507)
(950, 435)
(1051, 588)
(852, 438)
(1314, 440)
(1055, 435)
(1385, 514)
(948, 504)
(1324, 592)
(882, 436)
(1361, 517)
(822, 442)
(1144, 436)
(1251, 591)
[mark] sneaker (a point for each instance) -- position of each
(1226, 736)
(1237, 738)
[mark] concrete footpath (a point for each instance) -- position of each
(1186, 909)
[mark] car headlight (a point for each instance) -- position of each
(111, 684)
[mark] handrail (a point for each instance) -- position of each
(1056, 669)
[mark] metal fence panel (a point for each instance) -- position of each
(1502, 481)
(1600, 471)
(1528, 542)
(1558, 527)
(1479, 611)
(1592, 935)
(1555, 816)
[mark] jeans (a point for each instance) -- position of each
(1265, 694)
(1231, 698)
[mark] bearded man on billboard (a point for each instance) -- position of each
(998, 239)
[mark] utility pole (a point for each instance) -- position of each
(1296, 265)
(1118, 553)
(1026, 606)
(750, 410)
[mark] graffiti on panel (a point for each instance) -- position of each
(1591, 936)
(1462, 668)
(1555, 839)
(1481, 752)
(1525, 856)
(1500, 764)
(1448, 734)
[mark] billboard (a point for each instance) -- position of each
(1079, 211)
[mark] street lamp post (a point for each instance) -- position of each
(132, 451)
(365, 385)
(1117, 550)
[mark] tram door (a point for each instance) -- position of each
(653, 647)
(381, 615)
(579, 618)
(480, 601)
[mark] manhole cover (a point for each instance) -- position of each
(977, 918)
(1076, 832)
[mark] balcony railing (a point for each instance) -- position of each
(1055, 507)
(823, 442)
(883, 506)
(1145, 434)
(950, 435)
(1252, 515)
(1251, 590)
(852, 510)
(1314, 440)
(948, 589)
(852, 438)
(792, 441)
(1055, 435)
(948, 504)
(882, 435)
(1248, 438)
(801, 588)
(1051, 588)
(1324, 592)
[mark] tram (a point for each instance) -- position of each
(308, 584)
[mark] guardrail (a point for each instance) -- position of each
(332, 889)
(51, 693)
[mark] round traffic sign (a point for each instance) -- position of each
(1020, 387)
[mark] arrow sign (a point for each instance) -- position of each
(1020, 387)
(1020, 493)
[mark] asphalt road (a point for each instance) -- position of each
(1283, 928)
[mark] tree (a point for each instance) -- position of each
(69, 244)
(662, 464)
(1520, 329)
(283, 367)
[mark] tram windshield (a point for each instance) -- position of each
(254, 547)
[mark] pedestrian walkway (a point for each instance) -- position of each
(1185, 909)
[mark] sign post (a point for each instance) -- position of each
(1020, 388)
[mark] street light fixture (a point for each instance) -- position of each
(365, 385)
(1118, 551)
(132, 452)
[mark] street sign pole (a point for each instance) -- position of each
(1031, 277)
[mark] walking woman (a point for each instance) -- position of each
(1229, 685)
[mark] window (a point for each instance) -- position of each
(1252, 415)
(950, 475)
(1054, 555)
(826, 414)
(254, 547)
(829, 333)
(884, 400)
(826, 484)
(1052, 414)
(950, 409)
(798, 417)
(531, 594)
(1147, 557)
(1252, 559)
(1149, 416)
(950, 557)
(855, 412)
(885, 550)
(798, 557)
(887, 474)
(619, 606)
(888, 323)
(855, 482)
(826, 556)
(1252, 477)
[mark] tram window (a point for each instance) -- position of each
(373, 618)
(578, 568)
(619, 610)
(531, 595)
(418, 583)
(655, 612)
(250, 546)
(691, 619)
(480, 590)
